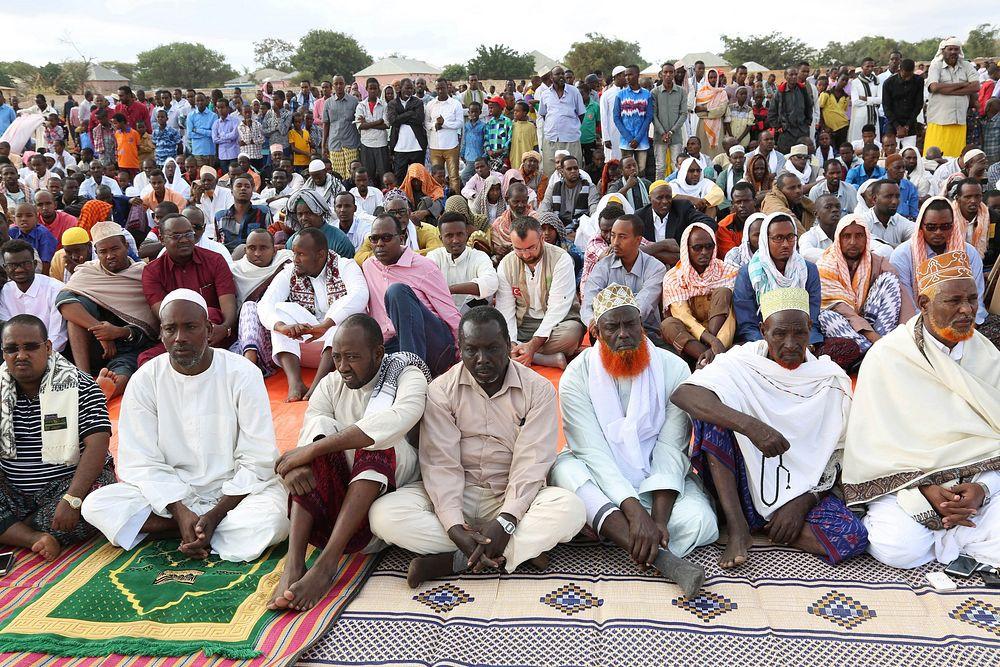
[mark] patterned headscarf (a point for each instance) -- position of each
(683, 281)
(838, 286)
(764, 275)
(459, 204)
(550, 218)
(428, 185)
(481, 203)
(312, 199)
(919, 247)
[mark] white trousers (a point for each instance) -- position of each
(895, 539)
(259, 521)
(307, 352)
(406, 518)
(692, 522)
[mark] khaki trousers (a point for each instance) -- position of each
(406, 518)
(449, 158)
(565, 337)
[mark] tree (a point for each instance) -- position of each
(774, 51)
(273, 53)
(454, 72)
(72, 77)
(500, 62)
(983, 41)
(127, 70)
(48, 74)
(326, 53)
(182, 64)
(600, 53)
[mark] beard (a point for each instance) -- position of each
(953, 335)
(625, 363)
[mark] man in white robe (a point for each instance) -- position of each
(610, 135)
(626, 455)
(303, 305)
(927, 465)
(769, 426)
(196, 448)
(866, 100)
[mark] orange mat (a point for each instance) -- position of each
(288, 416)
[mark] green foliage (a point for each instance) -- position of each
(454, 72)
(273, 53)
(983, 42)
(182, 64)
(326, 53)
(774, 51)
(72, 77)
(500, 62)
(598, 52)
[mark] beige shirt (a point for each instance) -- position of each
(949, 109)
(505, 442)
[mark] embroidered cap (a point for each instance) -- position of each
(947, 266)
(103, 230)
(613, 296)
(785, 298)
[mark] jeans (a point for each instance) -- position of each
(418, 330)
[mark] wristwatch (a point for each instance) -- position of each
(73, 501)
(986, 494)
(508, 526)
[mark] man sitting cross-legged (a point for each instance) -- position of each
(54, 432)
(927, 465)
(196, 448)
(627, 445)
(769, 426)
(109, 322)
(487, 441)
(304, 304)
(352, 448)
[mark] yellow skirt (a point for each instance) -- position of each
(949, 138)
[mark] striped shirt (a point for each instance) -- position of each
(27, 473)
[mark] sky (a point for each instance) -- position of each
(451, 31)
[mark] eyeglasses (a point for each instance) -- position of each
(178, 237)
(787, 238)
(26, 264)
(945, 227)
(384, 238)
(396, 212)
(13, 349)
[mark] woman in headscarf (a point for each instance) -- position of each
(777, 264)
(531, 171)
(739, 118)
(590, 228)
(612, 172)
(554, 233)
(425, 194)
(698, 299)
(711, 104)
(479, 228)
(861, 295)
(758, 174)
(703, 193)
(866, 197)
(175, 181)
(512, 175)
(740, 256)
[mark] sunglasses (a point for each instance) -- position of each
(946, 227)
(27, 347)
(178, 237)
(384, 238)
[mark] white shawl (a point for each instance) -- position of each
(809, 406)
(249, 276)
(633, 435)
(680, 186)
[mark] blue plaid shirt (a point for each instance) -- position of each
(166, 141)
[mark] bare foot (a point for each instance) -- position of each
(305, 593)
(737, 549)
(282, 596)
(296, 391)
(423, 568)
(108, 382)
(47, 547)
(541, 561)
(251, 355)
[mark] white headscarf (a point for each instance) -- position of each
(862, 206)
(680, 186)
(740, 256)
(951, 41)
(764, 275)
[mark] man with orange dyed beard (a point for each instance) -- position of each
(768, 434)
(927, 466)
(626, 454)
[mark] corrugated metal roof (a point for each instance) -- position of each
(393, 66)
(98, 72)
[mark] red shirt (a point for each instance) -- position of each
(726, 239)
(62, 222)
(207, 274)
(133, 112)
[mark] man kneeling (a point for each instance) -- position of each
(627, 457)
(487, 441)
(353, 447)
(196, 448)
(769, 423)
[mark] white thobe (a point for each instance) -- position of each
(859, 109)
(472, 266)
(38, 300)
(194, 439)
(221, 201)
(609, 131)
(275, 307)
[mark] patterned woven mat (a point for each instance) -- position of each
(592, 606)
